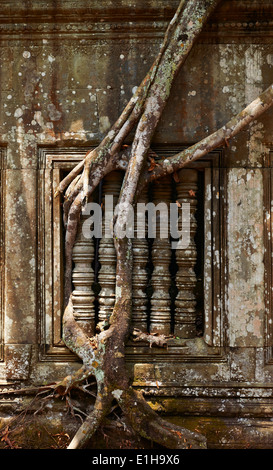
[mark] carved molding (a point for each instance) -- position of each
(139, 31)
(43, 19)
(52, 162)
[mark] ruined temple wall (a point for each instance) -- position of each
(67, 69)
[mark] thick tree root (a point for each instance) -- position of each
(149, 425)
(91, 424)
(143, 420)
(104, 355)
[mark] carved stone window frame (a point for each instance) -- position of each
(51, 162)
(50, 252)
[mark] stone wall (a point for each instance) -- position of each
(67, 70)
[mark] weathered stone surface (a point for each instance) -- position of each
(18, 359)
(245, 254)
(67, 71)
(20, 257)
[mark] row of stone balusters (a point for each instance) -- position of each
(160, 302)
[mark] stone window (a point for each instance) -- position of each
(177, 292)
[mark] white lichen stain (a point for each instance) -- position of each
(231, 65)
(18, 113)
(253, 82)
(256, 146)
(76, 130)
(104, 124)
(269, 59)
(117, 394)
(53, 112)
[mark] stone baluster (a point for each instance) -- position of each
(139, 275)
(107, 253)
(160, 316)
(83, 278)
(185, 303)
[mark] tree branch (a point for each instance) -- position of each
(146, 106)
(129, 116)
(190, 21)
(215, 140)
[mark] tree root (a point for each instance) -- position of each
(151, 426)
(91, 424)
(104, 355)
(143, 420)
(153, 339)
